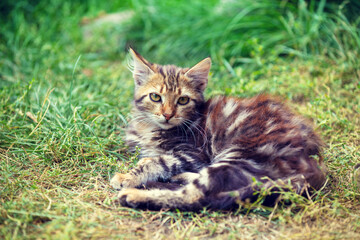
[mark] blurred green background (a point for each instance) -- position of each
(231, 32)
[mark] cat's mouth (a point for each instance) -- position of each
(166, 124)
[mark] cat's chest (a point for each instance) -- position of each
(153, 141)
(148, 139)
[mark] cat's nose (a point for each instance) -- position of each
(168, 116)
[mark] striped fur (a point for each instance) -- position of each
(208, 153)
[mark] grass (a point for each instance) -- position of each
(65, 100)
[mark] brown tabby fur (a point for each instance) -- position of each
(211, 153)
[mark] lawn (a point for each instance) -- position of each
(66, 92)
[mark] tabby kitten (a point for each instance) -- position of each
(214, 153)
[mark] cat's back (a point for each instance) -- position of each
(260, 128)
(250, 116)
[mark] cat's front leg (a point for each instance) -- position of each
(147, 169)
(134, 178)
(120, 180)
(158, 167)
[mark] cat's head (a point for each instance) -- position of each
(168, 96)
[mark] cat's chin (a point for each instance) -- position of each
(166, 125)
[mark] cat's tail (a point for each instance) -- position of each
(269, 192)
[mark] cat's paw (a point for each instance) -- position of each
(133, 198)
(120, 181)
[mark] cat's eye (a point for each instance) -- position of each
(183, 100)
(155, 97)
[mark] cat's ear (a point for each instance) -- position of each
(198, 74)
(140, 68)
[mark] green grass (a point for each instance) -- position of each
(65, 100)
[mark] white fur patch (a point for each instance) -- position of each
(229, 108)
(288, 150)
(270, 128)
(204, 177)
(240, 118)
(267, 149)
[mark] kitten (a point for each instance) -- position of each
(214, 153)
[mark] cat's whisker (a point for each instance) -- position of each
(193, 134)
(142, 121)
(199, 113)
(184, 130)
(199, 130)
